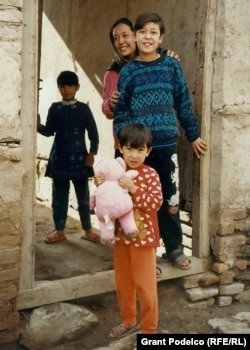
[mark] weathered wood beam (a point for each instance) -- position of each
(48, 292)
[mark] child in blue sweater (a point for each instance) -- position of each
(153, 92)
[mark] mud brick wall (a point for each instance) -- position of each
(228, 176)
(11, 169)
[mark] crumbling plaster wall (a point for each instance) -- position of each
(230, 142)
(11, 165)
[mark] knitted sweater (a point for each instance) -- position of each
(155, 94)
(69, 123)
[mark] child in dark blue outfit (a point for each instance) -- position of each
(69, 158)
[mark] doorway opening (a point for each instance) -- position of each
(90, 58)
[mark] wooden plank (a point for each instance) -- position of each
(48, 292)
(203, 98)
(170, 272)
(28, 123)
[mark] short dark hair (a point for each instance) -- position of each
(67, 78)
(136, 135)
(146, 17)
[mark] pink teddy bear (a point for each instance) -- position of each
(111, 201)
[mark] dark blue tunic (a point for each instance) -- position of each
(70, 123)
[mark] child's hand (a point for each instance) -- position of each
(99, 179)
(199, 147)
(173, 54)
(126, 182)
(114, 98)
(90, 159)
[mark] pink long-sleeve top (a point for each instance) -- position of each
(109, 86)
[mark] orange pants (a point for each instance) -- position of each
(135, 275)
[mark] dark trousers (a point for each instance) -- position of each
(60, 202)
(164, 161)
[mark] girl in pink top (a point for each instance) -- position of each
(123, 41)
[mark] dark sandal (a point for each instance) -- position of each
(91, 237)
(54, 237)
(122, 330)
(177, 257)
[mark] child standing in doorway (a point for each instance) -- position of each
(134, 258)
(153, 92)
(69, 158)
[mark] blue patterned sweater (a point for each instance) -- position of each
(155, 94)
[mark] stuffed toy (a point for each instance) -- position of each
(110, 201)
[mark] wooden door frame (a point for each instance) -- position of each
(29, 73)
(31, 293)
(203, 103)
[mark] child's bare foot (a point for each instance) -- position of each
(158, 271)
(178, 259)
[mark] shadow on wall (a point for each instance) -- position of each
(84, 27)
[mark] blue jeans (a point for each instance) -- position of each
(164, 161)
(60, 202)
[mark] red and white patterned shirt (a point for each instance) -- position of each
(147, 201)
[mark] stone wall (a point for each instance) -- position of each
(229, 183)
(229, 179)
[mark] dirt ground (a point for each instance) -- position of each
(76, 256)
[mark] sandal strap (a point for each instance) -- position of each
(176, 255)
(121, 329)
